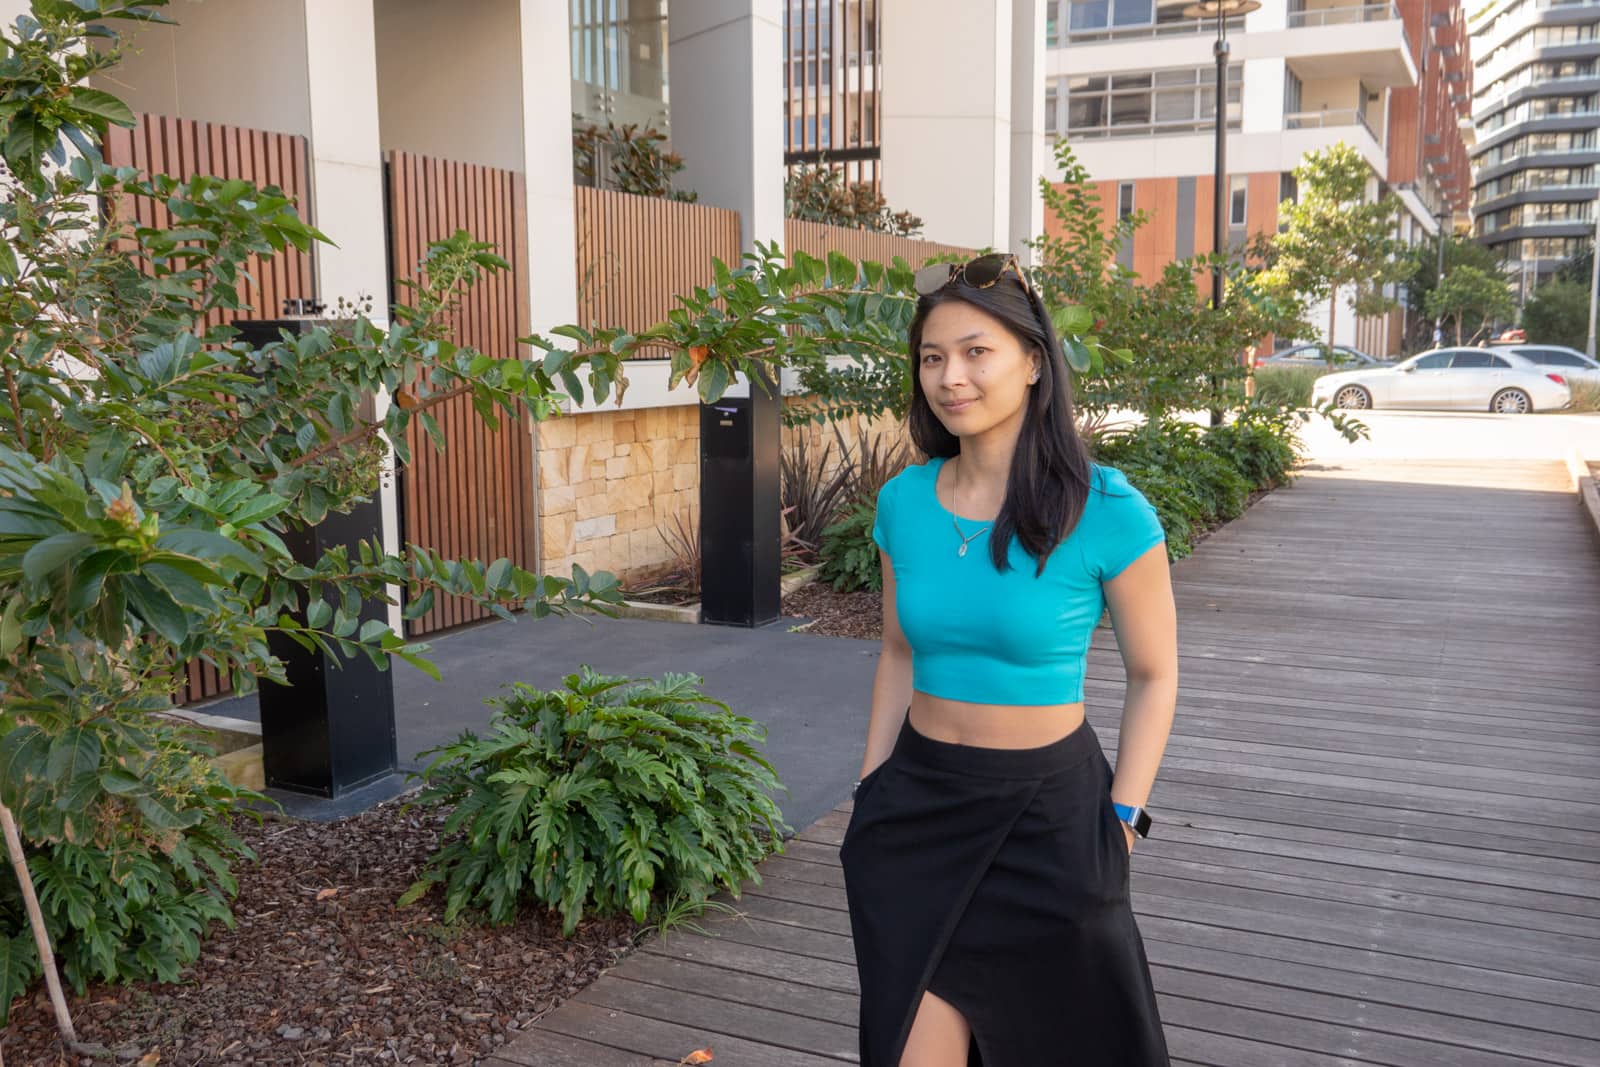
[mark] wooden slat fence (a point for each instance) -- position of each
(475, 499)
(183, 148)
(818, 239)
(635, 253)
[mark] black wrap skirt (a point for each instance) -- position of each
(997, 879)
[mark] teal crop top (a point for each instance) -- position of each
(986, 637)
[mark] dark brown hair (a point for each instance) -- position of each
(1049, 480)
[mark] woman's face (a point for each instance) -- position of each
(973, 371)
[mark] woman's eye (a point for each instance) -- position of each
(970, 351)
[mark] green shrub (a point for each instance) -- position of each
(850, 559)
(596, 795)
(1286, 386)
(129, 846)
(1196, 478)
(1261, 443)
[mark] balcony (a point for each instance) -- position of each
(1344, 40)
(1307, 131)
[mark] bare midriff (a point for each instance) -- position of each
(992, 725)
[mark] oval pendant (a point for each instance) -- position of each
(962, 551)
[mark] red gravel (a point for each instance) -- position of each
(344, 979)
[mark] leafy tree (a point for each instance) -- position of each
(1459, 251)
(1169, 350)
(1471, 295)
(1558, 313)
(820, 194)
(1334, 237)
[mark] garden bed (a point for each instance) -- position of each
(322, 968)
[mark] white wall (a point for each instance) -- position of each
(450, 80)
(243, 62)
(1028, 147)
(723, 59)
(947, 91)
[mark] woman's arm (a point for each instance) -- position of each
(1146, 624)
(891, 686)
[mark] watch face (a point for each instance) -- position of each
(1141, 823)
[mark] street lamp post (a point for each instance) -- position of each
(1438, 277)
(1221, 10)
(1594, 280)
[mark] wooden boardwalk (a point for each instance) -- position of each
(1379, 836)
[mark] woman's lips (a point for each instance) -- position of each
(956, 406)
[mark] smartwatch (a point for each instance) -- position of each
(1134, 816)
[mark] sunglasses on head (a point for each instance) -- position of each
(979, 273)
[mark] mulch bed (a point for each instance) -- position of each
(322, 968)
(837, 614)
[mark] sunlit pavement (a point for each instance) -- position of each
(1458, 435)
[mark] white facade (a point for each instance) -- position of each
(1332, 64)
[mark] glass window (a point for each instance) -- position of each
(1470, 360)
(1238, 184)
(1124, 200)
(1498, 363)
(1086, 113)
(1175, 105)
(1130, 81)
(1089, 15)
(1435, 361)
(1133, 12)
(1050, 104)
(1131, 109)
(1549, 357)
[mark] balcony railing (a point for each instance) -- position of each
(1335, 16)
(1158, 29)
(1339, 116)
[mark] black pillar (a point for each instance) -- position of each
(740, 508)
(331, 729)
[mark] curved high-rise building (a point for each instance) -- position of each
(1537, 115)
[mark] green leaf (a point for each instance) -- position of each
(50, 554)
(318, 614)
(841, 270)
(713, 381)
(102, 105)
(75, 751)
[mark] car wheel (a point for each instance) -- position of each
(1511, 402)
(1352, 396)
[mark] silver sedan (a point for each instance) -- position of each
(1470, 379)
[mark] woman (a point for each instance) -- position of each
(986, 860)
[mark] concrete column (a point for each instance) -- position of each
(547, 163)
(1262, 105)
(347, 200)
(552, 228)
(723, 60)
(947, 117)
(1028, 148)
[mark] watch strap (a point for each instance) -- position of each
(1134, 816)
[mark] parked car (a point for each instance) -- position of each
(1472, 379)
(1567, 362)
(1311, 355)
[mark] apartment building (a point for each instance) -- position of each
(1131, 85)
(1536, 108)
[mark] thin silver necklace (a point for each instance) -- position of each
(955, 507)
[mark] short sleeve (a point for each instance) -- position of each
(1127, 526)
(884, 510)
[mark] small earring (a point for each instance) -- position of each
(1035, 378)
